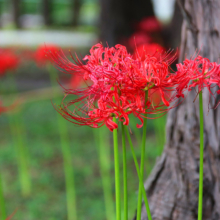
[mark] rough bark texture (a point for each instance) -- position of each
(172, 187)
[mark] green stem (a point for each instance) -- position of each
(105, 166)
(139, 174)
(201, 158)
(67, 158)
(18, 132)
(2, 202)
(136, 131)
(142, 163)
(124, 174)
(68, 169)
(117, 173)
(159, 125)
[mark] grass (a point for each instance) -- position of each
(47, 200)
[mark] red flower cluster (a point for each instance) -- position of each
(152, 49)
(149, 24)
(199, 73)
(120, 86)
(8, 61)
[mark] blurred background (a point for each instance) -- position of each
(49, 168)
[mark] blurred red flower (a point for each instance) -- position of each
(139, 38)
(149, 24)
(41, 57)
(8, 61)
(152, 49)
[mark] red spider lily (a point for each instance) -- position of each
(41, 56)
(8, 61)
(75, 81)
(153, 49)
(119, 85)
(149, 24)
(139, 38)
(92, 113)
(156, 97)
(156, 77)
(198, 72)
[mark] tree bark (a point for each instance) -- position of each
(172, 187)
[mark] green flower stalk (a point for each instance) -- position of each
(141, 170)
(67, 159)
(124, 174)
(18, 132)
(2, 201)
(139, 174)
(102, 137)
(201, 157)
(142, 163)
(160, 125)
(117, 173)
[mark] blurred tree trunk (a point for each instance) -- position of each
(16, 12)
(47, 10)
(75, 12)
(172, 32)
(118, 17)
(1, 6)
(172, 187)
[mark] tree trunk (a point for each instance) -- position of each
(172, 32)
(118, 17)
(46, 10)
(16, 12)
(172, 187)
(75, 6)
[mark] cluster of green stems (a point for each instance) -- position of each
(140, 170)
